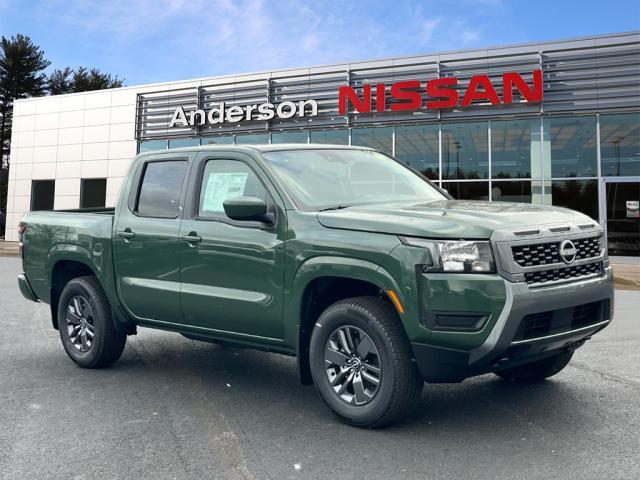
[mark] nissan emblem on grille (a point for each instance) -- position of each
(568, 251)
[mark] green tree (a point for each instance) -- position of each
(60, 81)
(80, 80)
(22, 66)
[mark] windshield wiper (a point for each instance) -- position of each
(336, 207)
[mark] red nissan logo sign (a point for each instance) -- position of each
(441, 93)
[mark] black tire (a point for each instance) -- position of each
(107, 343)
(400, 386)
(536, 371)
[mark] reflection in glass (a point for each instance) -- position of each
(465, 150)
(515, 191)
(160, 189)
(419, 146)
(253, 139)
(620, 144)
(572, 148)
(289, 137)
(331, 137)
(623, 218)
(150, 145)
(380, 138)
(467, 190)
(513, 142)
(218, 140)
(580, 195)
(184, 142)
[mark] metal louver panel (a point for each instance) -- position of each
(585, 75)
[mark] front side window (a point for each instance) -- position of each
(161, 188)
(225, 179)
(328, 178)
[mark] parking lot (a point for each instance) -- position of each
(174, 408)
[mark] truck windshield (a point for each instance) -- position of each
(340, 178)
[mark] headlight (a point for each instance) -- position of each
(456, 256)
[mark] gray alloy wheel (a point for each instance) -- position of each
(353, 365)
(80, 323)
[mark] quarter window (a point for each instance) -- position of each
(225, 179)
(161, 188)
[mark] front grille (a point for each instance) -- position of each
(566, 273)
(541, 324)
(548, 253)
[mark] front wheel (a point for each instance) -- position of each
(86, 325)
(361, 363)
(536, 371)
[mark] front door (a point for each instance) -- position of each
(232, 271)
(146, 241)
(623, 217)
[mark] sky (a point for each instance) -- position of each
(147, 41)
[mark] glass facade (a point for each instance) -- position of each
(380, 138)
(330, 137)
(252, 139)
(465, 150)
(290, 137)
(419, 146)
(540, 160)
(620, 144)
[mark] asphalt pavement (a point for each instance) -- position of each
(172, 408)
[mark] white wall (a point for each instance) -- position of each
(67, 138)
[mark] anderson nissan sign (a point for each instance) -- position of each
(408, 95)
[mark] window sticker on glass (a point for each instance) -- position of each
(220, 187)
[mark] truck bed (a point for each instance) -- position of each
(85, 233)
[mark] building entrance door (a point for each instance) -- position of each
(622, 221)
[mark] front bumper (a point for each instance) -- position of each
(503, 348)
(25, 288)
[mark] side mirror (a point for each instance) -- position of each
(247, 208)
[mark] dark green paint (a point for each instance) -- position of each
(244, 281)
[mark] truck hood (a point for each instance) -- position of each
(448, 218)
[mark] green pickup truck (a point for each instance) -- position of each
(371, 275)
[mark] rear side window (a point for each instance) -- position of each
(160, 189)
(224, 179)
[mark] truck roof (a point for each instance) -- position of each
(261, 147)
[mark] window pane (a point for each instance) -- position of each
(289, 137)
(513, 143)
(419, 146)
(219, 140)
(149, 145)
(330, 137)
(620, 144)
(224, 179)
(93, 192)
(161, 188)
(254, 139)
(184, 142)
(580, 195)
(515, 191)
(572, 146)
(378, 138)
(467, 190)
(42, 194)
(623, 222)
(465, 150)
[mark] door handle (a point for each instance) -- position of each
(127, 234)
(191, 238)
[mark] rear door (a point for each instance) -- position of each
(146, 240)
(232, 271)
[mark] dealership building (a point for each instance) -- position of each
(553, 123)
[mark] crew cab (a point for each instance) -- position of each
(356, 264)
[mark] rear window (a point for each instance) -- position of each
(160, 189)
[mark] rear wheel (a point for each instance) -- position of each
(536, 371)
(86, 326)
(361, 363)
